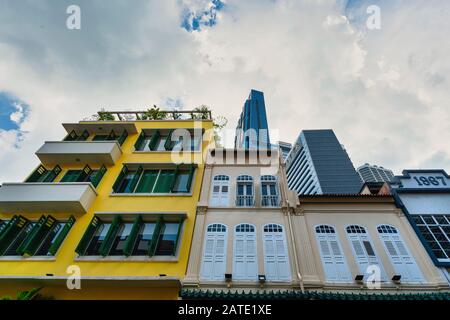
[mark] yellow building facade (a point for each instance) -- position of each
(114, 202)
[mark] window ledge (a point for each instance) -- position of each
(128, 259)
(151, 194)
(21, 258)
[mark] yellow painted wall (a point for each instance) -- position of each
(105, 203)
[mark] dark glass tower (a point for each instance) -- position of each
(318, 164)
(252, 131)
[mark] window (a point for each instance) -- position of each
(220, 191)
(214, 253)
(33, 238)
(333, 260)
(269, 192)
(244, 197)
(276, 260)
(435, 229)
(245, 265)
(130, 238)
(403, 262)
(41, 174)
(73, 136)
(138, 180)
(84, 175)
(363, 251)
(111, 137)
(168, 140)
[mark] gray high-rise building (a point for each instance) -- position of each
(318, 164)
(372, 173)
(252, 131)
(284, 148)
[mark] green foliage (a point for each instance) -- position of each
(103, 115)
(219, 123)
(202, 112)
(154, 114)
(27, 295)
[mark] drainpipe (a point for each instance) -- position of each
(294, 248)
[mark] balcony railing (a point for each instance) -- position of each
(245, 201)
(270, 201)
(162, 115)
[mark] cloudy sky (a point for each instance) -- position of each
(385, 92)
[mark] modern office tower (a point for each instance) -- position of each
(372, 173)
(110, 200)
(284, 148)
(318, 164)
(252, 131)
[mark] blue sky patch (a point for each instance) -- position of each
(12, 111)
(194, 20)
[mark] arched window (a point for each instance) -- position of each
(244, 191)
(276, 259)
(220, 193)
(214, 252)
(245, 265)
(363, 251)
(333, 260)
(402, 260)
(269, 191)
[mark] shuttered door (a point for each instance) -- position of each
(220, 194)
(333, 259)
(245, 265)
(365, 254)
(404, 264)
(214, 255)
(276, 261)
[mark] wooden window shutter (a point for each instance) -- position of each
(172, 183)
(122, 137)
(154, 140)
(136, 177)
(97, 177)
(11, 231)
(36, 238)
(112, 136)
(131, 241)
(154, 242)
(119, 179)
(106, 245)
(137, 145)
(21, 249)
(88, 234)
(168, 145)
(61, 236)
(84, 136)
(37, 174)
(53, 174)
(84, 174)
(72, 136)
(191, 177)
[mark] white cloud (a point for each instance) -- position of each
(385, 92)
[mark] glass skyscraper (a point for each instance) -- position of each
(252, 131)
(318, 164)
(372, 173)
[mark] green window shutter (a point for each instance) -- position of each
(178, 236)
(52, 174)
(84, 174)
(172, 185)
(119, 179)
(11, 231)
(155, 238)
(112, 136)
(34, 241)
(135, 180)
(61, 236)
(84, 136)
(165, 181)
(140, 139)
(95, 180)
(37, 174)
(122, 137)
(191, 176)
(147, 181)
(154, 140)
(131, 241)
(72, 136)
(21, 249)
(106, 245)
(87, 237)
(168, 145)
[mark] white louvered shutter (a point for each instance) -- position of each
(214, 256)
(245, 266)
(208, 258)
(333, 260)
(276, 261)
(365, 254)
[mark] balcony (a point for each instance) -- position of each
(245, 201)
(270, 201)
(75, 152)
(68, 197)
